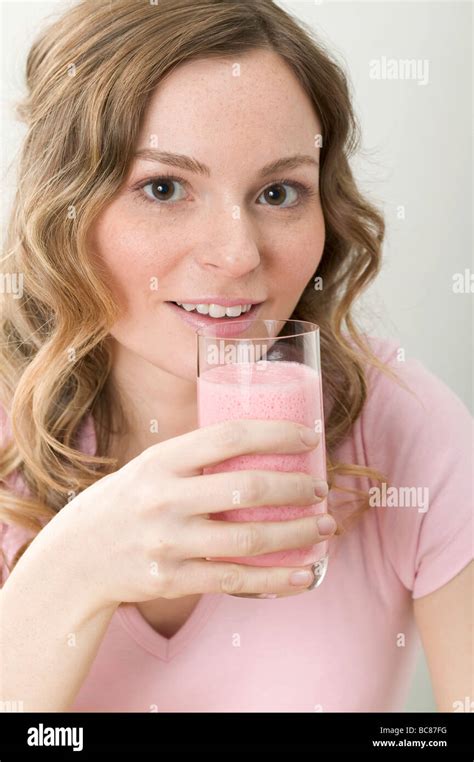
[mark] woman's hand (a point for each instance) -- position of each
(144, 531)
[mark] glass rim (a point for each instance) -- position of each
(200, 332)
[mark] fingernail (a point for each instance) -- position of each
(326, 524)
(309, 437)
(301, 577)
(321, 488)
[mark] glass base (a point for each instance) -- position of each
(319, 568)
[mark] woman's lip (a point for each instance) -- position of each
(222, 327)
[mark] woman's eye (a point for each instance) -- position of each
(163, 189)
(281, 194)
(278, 195)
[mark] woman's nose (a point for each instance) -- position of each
(229, 245)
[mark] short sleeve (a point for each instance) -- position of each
(12, 537)
(3, 567)
(423, 441)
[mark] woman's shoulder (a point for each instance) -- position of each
(12, 535)
(415, 427)
(414, 397)
(418, 432)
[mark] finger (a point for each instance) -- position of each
(189, 453)
(250, 538)
(219, 492)
(200, 576)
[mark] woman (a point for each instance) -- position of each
(197, 153)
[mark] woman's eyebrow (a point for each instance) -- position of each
(193, 165)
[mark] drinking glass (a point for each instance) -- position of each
(272, 370)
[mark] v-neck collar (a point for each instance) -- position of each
(158, 645)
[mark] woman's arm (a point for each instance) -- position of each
(50, 629)
(445, 622)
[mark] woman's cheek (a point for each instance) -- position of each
(298, 263)
(133, 271)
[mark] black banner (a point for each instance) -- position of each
(88, 735)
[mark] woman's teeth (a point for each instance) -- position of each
(216, 310)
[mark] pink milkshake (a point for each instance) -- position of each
(267, 390)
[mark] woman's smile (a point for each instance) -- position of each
(224, 325)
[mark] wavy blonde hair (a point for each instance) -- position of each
(90, 76)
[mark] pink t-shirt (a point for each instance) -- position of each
(349, 645)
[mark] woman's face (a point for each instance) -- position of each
(216, 229)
